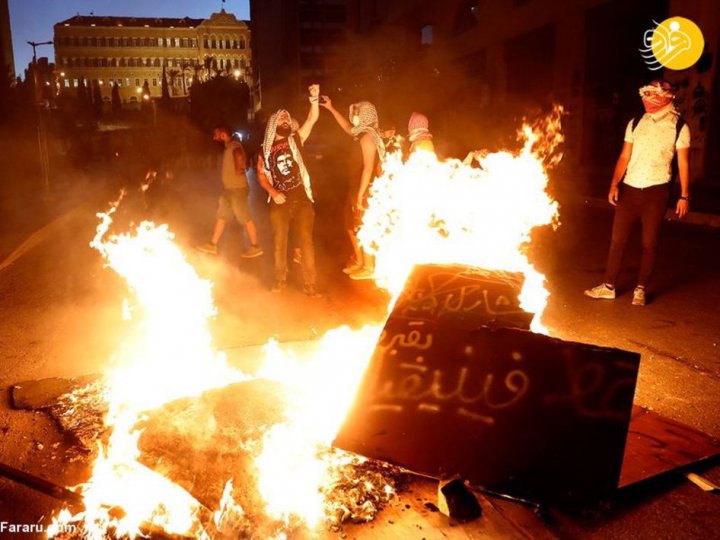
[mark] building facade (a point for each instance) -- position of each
(299, 42)
(132, 53)
(478, 67)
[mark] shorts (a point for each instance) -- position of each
(234, 202)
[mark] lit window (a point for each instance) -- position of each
(154, 82)
(67, 83)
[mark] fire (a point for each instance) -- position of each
(321, 390)
(172, 357)
(430, 211)
(420, 211)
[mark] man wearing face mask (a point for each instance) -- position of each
(282, 173)
(362, 124)
(644, 169)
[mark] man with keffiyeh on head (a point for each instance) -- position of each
(644, 168)
(283, 174)
(362, 124)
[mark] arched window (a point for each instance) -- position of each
(242, 43)
(206, 43)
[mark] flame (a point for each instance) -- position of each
(295, 465)
(420, 211)
(171, 357)
(446, 212)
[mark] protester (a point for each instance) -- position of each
(419, 133)
(645, 161)
(362, 124)
(283, 174)
(234, 198)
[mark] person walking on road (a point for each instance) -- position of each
(640, 185)
(234, 198)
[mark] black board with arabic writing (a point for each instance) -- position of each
(467, 296)
(504, 408)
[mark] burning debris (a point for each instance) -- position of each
(363, 487)
(187, 434)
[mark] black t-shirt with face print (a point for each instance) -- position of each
(284, 168)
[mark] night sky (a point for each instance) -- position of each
(33, 20)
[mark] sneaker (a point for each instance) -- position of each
(252, 252)
(638, 296)
(311, 291)
(352, 268)
(209, 248)
(279, 285)
(601, 291)
(364, 273)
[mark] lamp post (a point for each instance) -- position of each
(43, 154)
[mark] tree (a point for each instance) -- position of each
(219, 99)
(165, 100)
(82, 91)
(116, 101)
(97, 99)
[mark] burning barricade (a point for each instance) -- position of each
(194, 446)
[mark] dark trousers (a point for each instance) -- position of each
(648, 206)
(296, 212)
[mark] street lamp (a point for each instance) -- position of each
(43, 152)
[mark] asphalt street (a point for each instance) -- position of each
(61, 313)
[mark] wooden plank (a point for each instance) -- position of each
(507, 409)
(657, 445)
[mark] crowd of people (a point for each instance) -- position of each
(639, 187)
(283, 174)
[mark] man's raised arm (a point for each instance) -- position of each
(313, 114)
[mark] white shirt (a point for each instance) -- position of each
(653, 148)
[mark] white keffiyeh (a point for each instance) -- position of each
(368, 124)
(269, 141)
